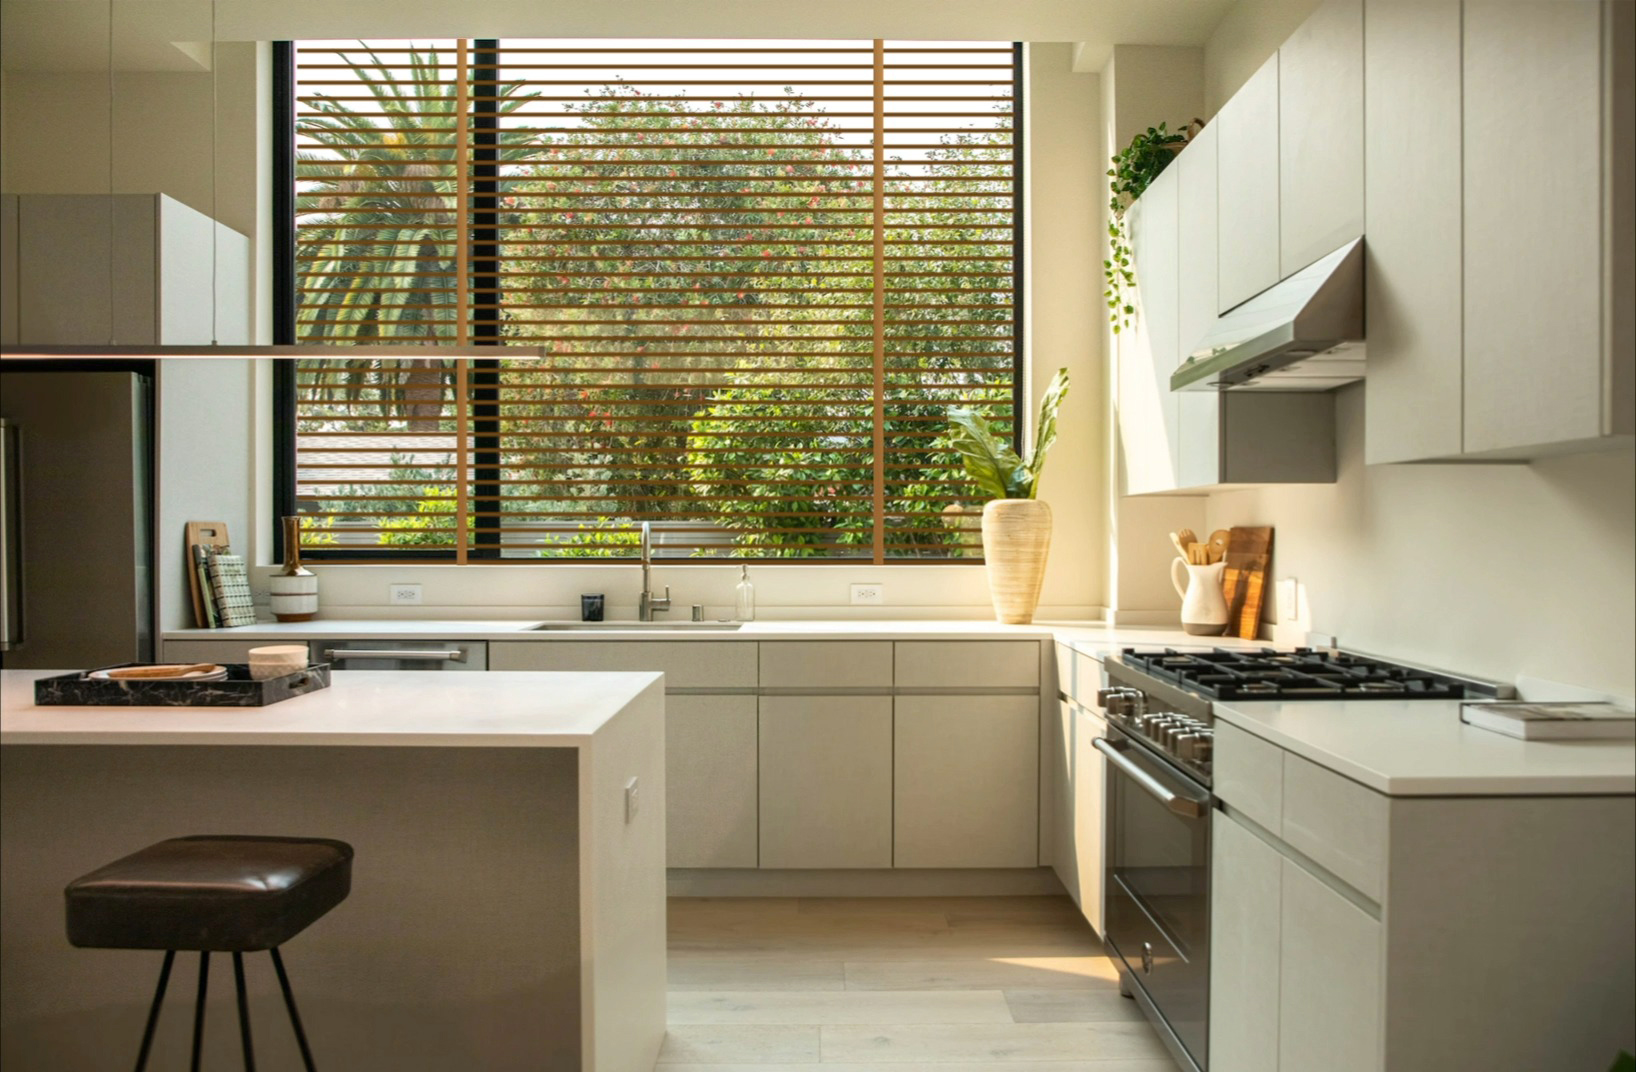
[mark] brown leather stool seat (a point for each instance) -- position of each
(223, 893)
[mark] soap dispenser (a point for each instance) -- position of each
(746, 596)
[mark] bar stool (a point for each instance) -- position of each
(223, 893)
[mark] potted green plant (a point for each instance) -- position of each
(1134, 168)
(1016, 523)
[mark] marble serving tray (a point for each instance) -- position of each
(239, 690)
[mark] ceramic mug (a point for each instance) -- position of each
(1204, 605)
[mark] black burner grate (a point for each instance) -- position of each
(1302, 674)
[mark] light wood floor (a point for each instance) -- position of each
(957, 984)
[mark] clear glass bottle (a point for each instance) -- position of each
(745, 593)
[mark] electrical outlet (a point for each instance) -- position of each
(868, 595)
(403, 595)
(633, 800)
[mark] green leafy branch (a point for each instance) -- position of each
(1134, 169)
(989, 460)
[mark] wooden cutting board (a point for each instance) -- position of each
(1244, 581)
(209, 534)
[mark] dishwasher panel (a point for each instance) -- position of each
(402, 654)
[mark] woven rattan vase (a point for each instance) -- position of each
(1016, 540)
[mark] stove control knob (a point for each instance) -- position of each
(1203, 747)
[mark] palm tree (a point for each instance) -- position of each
(377, 245)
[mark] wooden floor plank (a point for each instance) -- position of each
(840, 1007)
(740, 1044)
(692, 970)
(999, 972)
(994, 1043)
(1070, 1006)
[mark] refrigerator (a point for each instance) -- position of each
(76, 537)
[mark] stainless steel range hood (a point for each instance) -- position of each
(1304, 334)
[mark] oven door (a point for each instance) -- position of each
(1157, 908)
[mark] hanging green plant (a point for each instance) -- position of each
(1134, 168)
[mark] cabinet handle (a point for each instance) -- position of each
(458, 655)
(1185, 806)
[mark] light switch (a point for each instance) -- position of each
(1289, 600)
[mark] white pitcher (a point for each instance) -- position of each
(1204, 606)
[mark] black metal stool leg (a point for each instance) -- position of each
(289, 1003)
(153, 1011)
(244, 1012)
(198, 1009)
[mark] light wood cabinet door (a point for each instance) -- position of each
(1062, 775)
(710, 781)
(967, 664)
(826, 664)
(1247, 189)
(1090, 788)
(1414, 271)
(1330, 979)
(1320, 135)
(966, 781)
(1246, 882)
(1533, 224)
(826, 781)
(1147, 403)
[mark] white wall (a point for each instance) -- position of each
(1143, 85)
(206, 466)
(1496, 570)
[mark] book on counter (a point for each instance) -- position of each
(1552, 721)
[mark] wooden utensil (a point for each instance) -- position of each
(1244, 581)
(1188, 537)
(1176, 542)
(207, 534)
(1198, 554)
(168, 670)
(1218, 544)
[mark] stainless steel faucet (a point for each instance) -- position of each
(649, 602)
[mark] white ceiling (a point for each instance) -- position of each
(164, 35)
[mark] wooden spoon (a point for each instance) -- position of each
(1176, 542)
(1218, 544)
(169, 670)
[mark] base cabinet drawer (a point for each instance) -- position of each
(686, 664)
(212, 651)
(967, 664)
(710, 781)
(826, 781)
(966, 781)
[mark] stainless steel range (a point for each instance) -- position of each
(1159, 748)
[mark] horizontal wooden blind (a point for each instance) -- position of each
(762, 272)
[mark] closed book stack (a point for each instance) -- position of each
(1553, 721)
(230, 590)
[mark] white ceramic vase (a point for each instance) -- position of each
(1016, 540)
(1204, 605)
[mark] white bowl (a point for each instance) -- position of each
(276, 660)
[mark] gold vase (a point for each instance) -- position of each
(294, 588)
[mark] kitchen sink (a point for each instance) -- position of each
(644, 627)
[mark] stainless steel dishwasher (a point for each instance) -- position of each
(402, 654)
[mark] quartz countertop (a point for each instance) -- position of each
(361, 707)
(1094, 638)
(1421, 748)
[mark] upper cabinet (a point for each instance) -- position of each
(1320, 135)
(1500, 228)
(1247, 190)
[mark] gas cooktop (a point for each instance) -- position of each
(1302, 674)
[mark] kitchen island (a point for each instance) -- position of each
(507, 908)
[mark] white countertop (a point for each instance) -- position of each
(1094, 638)
(1421, 748)
(361, 707)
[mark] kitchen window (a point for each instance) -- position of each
(762, 274)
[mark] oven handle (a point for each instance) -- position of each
(338, 654)
(1181, 805)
